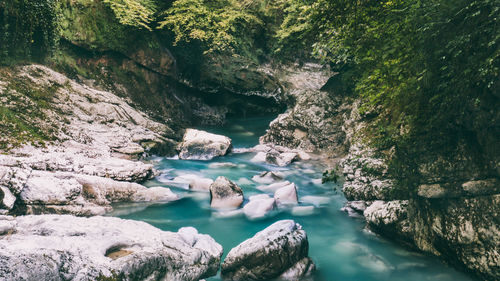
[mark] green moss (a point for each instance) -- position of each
(91, 24)
(28, 30)
(23, 117)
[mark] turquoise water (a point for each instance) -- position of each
(339, 245)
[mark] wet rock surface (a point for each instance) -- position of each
(98, 139)
(201, 145)
(456, 220)
(52, 247)
(259, 206)
(225, 194)
(280, 249)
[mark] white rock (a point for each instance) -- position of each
(50, 247)
(154, 194)
(260, 157)
(303, 210)
(303, 268)
(282, 160)
(46, 188)
(7, 224)
(268, 177)
(201, 145)
(315, 200)
(195, 182)
(286, 195)
(259, 206)
(382, 213)
(273, 187)
(225, 194)
(303, 156)
(8, 200)
(271, 252)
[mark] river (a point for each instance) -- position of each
(340, 245)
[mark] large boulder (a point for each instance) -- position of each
(55, 247)
(225, 194)
(389, 218)
(280, 249)
(201, 145)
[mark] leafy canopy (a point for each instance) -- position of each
(138, 13)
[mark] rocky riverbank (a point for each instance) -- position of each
(452, 214)
(85, 147)
(84, 154)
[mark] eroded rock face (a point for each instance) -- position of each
(200, 145)
(366, 177)
(314, 123)
(225, 194)
(51, 247)
(69, 193)
(272, 252)
(456, 220)
(98, 138)
(463, 230)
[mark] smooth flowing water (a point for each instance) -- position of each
(339, 245)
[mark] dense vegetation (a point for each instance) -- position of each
(28, 29)
(427, 71)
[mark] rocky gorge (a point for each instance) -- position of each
(91, 163)
(121, 158)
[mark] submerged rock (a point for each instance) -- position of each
(281, 159)
(195, 182)
(268, 177)
(258, 206)
(201, 145)
(303, 268)
(225, 194)
(55, 247)
(280, 249)
(286, 195)
(273, 187)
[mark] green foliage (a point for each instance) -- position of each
(28, 29)
(428, 71)
(137, 13)
(223, 26)
(297, 33)
(92, 24)
(330, 176)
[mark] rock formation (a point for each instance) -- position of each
(279, 250)
(225, 194)
(200, 145)
(55, 247)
